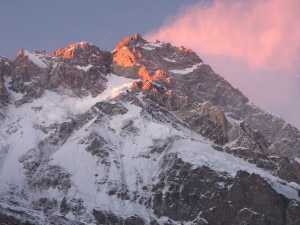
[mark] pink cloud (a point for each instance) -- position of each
(252, 43)
(264, 34)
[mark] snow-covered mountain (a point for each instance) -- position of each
(145, 135)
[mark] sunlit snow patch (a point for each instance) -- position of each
(233, 121)
(36, 58)
(169, 60)
(115, 86)
(84, 68)
(151, 46)
(186, 70)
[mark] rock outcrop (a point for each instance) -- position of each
(5, 70)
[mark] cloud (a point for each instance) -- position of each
(264, 34)
(254, 44)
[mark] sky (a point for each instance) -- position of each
(48, 25)
(253, 44)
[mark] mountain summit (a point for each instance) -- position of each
(147, 134)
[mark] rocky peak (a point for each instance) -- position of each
(82, 54)
(20, 53)
(72, 50)
(139, 45)
(131, 41)
(126, 54)
(135, 57)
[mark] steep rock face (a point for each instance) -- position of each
(80, 82)
(282, 135)
(210, 122)
(80, 67)
(147, 134)
(208, 86)
(5, 70)
(205, 197)
(30, 74)
(189, 77)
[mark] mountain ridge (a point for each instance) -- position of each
(163, 138)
